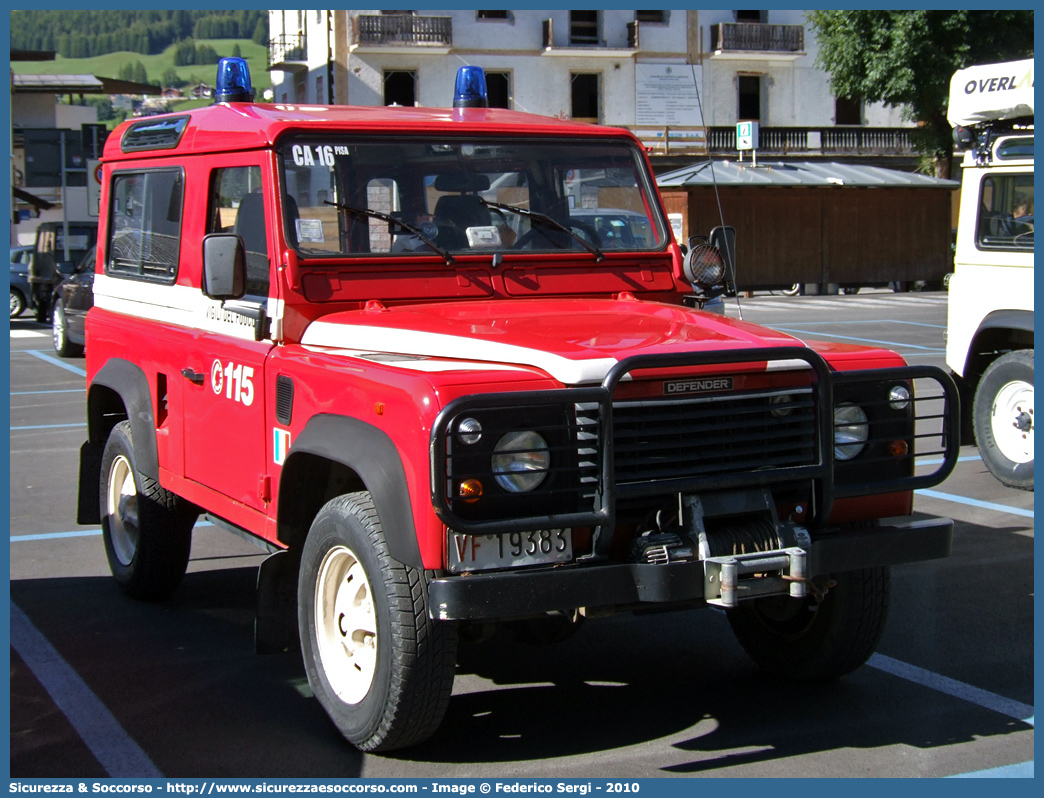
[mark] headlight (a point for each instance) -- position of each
(520, 461)
(851, 430)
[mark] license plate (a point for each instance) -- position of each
(509, 550)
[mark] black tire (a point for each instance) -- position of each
(17, 303)
(60, 335)
(848, 290)
(806, 640)
(386, 687)
(794, 290)
(147, 529)
(1003, 417)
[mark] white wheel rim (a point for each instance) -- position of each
(1012, 421)
(15, 303)
(58, 327)
(345, 625)
(122, 510)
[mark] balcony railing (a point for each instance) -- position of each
(818, 141)
(403, 30)
(287, 48)
(758, 37)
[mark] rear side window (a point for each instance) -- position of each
(145, 224)
(1006, 213)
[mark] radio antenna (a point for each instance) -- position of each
(730, 257)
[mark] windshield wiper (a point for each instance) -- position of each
(550, 222)
(366, 212)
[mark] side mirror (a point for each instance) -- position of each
(65, 267)
(224, 266)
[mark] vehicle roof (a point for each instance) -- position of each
(227, 127)
(991, 92)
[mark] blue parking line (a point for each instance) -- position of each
(40, 393)
(55, 361)
(892, 344)
(114, 749)
(79, 533)
(1003, 508)
(49, 426)
(1023, 770)
(944, 684)
(872, 321)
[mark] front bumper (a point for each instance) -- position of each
(514, 594)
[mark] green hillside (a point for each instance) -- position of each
(108, 66)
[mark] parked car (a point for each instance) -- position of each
(20, 291)
(72, 298)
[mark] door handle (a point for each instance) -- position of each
(192, 376)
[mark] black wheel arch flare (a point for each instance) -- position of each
(371, 456)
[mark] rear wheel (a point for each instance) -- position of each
(147, 530)
(1003, 416)
(17, 303)
(60, 334)
(816, 640)
(379, 665)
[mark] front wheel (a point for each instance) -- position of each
(17, 303)
(60, 334)
(147, 530)
(816, 640)
(1003, 417)
(379, 665)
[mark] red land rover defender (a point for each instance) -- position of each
(387, 342)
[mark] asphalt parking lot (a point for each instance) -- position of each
(104, 686)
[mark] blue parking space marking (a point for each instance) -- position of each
(892, 344)
(1003, 508)
(114, 749)
(1023, 770)
(80, 533)
(49, 426)
(55, 361)
(952, 687)
(41, 393)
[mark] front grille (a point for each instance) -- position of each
(660, 439)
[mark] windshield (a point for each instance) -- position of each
(395, 196)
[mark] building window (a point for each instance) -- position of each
(583, 27)
(749, 98)
(319, 98)
(586, 100)
(751, 16)
(498, 89)
(400, 87)
(848, 110)
(654, 17)
(299, 90)
(497, 15)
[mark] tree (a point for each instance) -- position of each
(906, 59)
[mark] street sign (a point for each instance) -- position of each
(94, 178)
(746, 135)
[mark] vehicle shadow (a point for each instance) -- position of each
(182, 679)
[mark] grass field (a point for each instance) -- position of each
(108, 66)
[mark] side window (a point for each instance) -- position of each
(1006, 213)
(237, 206)
(145, 236)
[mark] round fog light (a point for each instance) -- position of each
(899, 397)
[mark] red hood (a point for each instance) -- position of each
(575, 341)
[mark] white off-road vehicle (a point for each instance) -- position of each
(990, 327)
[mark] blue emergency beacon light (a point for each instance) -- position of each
(233, 81)
(470, 91)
